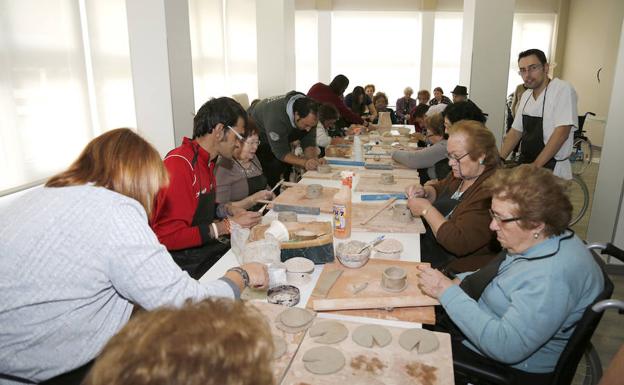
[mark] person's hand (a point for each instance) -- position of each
(311, 164)
(415, 191)
(262, 195)
(235, 210)
(247, 219)
(322, 161)
(258, 274)
(432, 282)
(417, 205)
(355, 129)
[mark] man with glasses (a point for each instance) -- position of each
(186, 218)
(547, 116)
(282, 120)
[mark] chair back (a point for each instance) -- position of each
(242, 99)
(580, 338)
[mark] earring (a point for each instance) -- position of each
(481, 161)
(535, 235)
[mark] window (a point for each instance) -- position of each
(223, 45)
(447, 46)
(529, 31)
(306, 49)
(382, 48)
(59, 86)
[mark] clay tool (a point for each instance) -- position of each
(278, 207)
(388, 203)
(382, 197)
(325, 283)
(272, 190)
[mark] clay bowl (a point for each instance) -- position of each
(324, 169)
(348, 256)
(394, 279)
(314, 191)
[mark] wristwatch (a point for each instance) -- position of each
(242, 273)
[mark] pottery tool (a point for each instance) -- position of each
(372, 243)
(390, 201)
(278, 207)
(272, 190)
(382, 197)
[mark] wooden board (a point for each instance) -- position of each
(390, 365)
(280, 365)
(335, 173)
(383, 222)
(373, 184)
(371, 273)
(296, 195)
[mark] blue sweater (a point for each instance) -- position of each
(526, 315)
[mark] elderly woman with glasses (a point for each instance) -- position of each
(240, 180)
(521, 309)
(455, 209)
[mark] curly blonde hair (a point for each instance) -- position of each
(213, 342)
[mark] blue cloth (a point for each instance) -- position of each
(526, 315)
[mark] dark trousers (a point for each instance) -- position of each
(273, 168)
(196, 261)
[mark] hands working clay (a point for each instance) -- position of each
(433, 282)
(257, 272)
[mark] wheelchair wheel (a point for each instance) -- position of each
(581, 156)
(589, 370)
(579, 197)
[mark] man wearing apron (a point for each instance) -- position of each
(186, 218)
(547, 116)
(282, 120)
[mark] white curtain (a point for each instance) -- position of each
(380, 48)
(223, 45)
(447, 43)
(529, 31)
(50, 81)
(306, 49)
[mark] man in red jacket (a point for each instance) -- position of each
(332, 94)
(186, 218)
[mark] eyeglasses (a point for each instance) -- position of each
(253, 142)
(239, 136)
(531, 68)
(499, 219)
(456, 158)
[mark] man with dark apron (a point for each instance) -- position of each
(281, 120)
(544, 126)
(186, 218)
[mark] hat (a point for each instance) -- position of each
(460, 90)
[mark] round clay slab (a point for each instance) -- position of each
(295, 317)
(323, 360)
(279, 346)
(371, 335)
(329, 332)
(299, 265)
(423, 341)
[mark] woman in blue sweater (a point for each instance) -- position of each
(522, 308)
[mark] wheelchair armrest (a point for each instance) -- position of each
(473, 369)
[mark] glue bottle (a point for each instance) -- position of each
(342, 207)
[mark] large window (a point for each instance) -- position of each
(382, 48)
(59, 84)
(529, 31)
(306, 49)
(447, 44)
(223, 45)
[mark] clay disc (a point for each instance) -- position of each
(323, 360)
(295, 317)
(423, 341)
(290, 330)
(329, 332)
(371, 335)
(279, 346)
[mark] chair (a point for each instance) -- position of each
(579, 342)
(243, 99)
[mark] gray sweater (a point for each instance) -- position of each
(424, 158)
(73, 260)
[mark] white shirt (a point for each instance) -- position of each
(559, 110)
(322, 138)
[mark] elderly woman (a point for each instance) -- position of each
(439, 97)
(522, 308)
(380, 100)
(240, 180)
(235, 346)
(405, 104)
(455, 209)
(77, 255)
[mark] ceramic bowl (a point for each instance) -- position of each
(348, 256)
(394, 279)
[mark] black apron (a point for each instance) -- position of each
(255, 184)
(197, 260)
(430, 250)
(533, 136)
